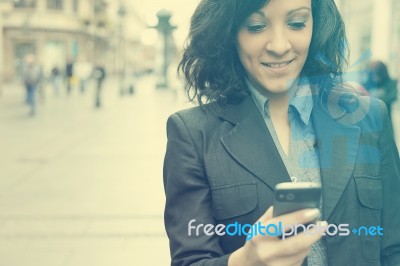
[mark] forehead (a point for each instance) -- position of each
(284, 7)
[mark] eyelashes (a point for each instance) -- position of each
(258, 27)
(297, 25)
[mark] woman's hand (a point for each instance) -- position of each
(271, 251)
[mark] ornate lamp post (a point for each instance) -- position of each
(1, 50)
(122, 63)
(99, 23)
(165, 28)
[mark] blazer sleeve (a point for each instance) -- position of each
(188, 197)
(390, 173)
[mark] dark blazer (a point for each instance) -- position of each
(221, 167)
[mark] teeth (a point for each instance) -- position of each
(278, 65)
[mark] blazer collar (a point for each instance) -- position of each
(251, 144)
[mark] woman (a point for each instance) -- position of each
(276, 112)
(380, 85)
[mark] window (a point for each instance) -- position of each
(99, 7)
(25, 3)
(75, 6)
(55, 4)
(21, 50)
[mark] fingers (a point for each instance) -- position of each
(292, 223)
(292, 260)
(303, 241)
(298, 217)
(267, 215)
(267, 247)
(293, 250)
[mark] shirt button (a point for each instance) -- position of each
(294, 179)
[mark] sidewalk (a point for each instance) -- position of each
(80, 186)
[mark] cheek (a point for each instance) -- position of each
(302, 43)
(308, 37)
(242, 57)
(245, 57)
(240, 49)
(249, 47)
(301, 40)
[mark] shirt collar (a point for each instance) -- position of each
(302, 102)
(261, 101)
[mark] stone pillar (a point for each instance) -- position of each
(381, 29)
(1, 50)
(41, 5)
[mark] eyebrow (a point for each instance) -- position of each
(298, 9)
(259, 12)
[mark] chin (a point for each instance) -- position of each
(277, 88)
(282, 86)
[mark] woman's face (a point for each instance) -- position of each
(273, 43)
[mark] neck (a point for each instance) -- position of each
(278, 107)
(279, 102)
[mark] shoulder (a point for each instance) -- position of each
(366, 112)
(188, 114)
(199, 117)
(392, 83)
(193, 128)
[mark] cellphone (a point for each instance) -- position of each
(290, 197)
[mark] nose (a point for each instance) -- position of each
(278, 43)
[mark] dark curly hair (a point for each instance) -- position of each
(210, 62)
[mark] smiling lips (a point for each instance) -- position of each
(278, 65)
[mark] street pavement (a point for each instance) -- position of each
(83, 186)
(80, 185)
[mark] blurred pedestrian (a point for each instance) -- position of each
(69, 73)
(82, 71)
(32, 75)
(99, 74)
(56, 80)
(380, 85)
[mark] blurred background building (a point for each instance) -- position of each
(373, 31)
(97, 31)
(117, 32)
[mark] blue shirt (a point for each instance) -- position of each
(302, 161)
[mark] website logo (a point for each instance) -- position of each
(279, 230)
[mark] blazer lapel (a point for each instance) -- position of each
(337, 147)
(251, 145)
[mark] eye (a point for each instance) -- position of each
(297, 25)
(256, 27)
